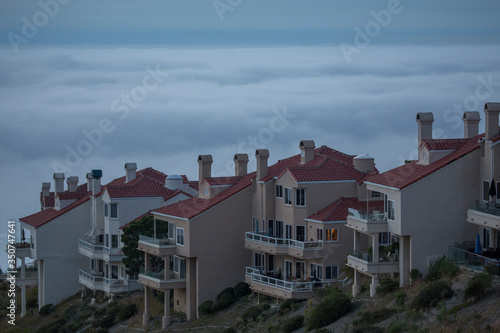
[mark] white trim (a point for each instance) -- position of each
(170, 216)
(323, 222)
(443, 150)
(177, 236)
(385, 186)
(327, 182)
(130, 198)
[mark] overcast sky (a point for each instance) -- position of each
(86, 85)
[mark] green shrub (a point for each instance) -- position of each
(127, 312)
(51, 327)
(293, 323)
(229, 330)
(242, 289)
(31, 303)
(400, 298)
(106, 322)
(206, 307)
(225, 301)
(101, 330)
(69, 327)
(461, 306)
(287, 304)
(251, 313)
(45, 310)
(442, 267)
(113, 310)
(387, 286)
(372, 317)
(328, 310)
(431, 294)
(478, 286)
(395, 327)
(228, 290)
(415, 274)
(272, 329)
(369, 329)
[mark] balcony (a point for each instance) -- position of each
(113, 254)
(271, 286)
(370, 222)
(156, 280)
(160, 246)
(474, 261)
(363, 262)
(485, 215)
(281, 246)
(91, 248)
(96, 281)
(30, 278)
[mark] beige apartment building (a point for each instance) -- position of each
(426, 202)
(284, 225)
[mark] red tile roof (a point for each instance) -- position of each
(221, 181)
(147, 183)
(338, 210)
(412, 172)
(80, 192)
(47, 201)
(444, 144)
(324, 159)
(38, 219)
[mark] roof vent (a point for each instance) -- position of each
(364, 163)
(174, 182)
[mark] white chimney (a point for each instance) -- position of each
(424, 120)
(96, 181)
(240, 164)
(174, 182)
(471, 123)
(59, 182)
(364, 163)
(262, 156)
(491, 111)
(130, 169)
(72, 183)
(306, 151)
(45, 189)
(204, 167)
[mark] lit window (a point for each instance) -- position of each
(288, 196)
(180, 236)
(300, 197)
(279, 191)
(332, 235)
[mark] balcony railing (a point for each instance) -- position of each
(161, 275)
(474, 261)
(91, 244)
(159, 240)
(264, 239)
(291, 286)
(371, 215)
(368, 257)
(115, 282)
(92, 275)
(28, 274)
(491, 208)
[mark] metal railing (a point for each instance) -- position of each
(121, 282)
(28, 274)
(91, 244)
(92, 275)
(265, 239)
(374, 216)
(159, 240)
(291, 286)
(160, 275)
(368, 257)
(489, 208)
(473, 260)
(113, 250)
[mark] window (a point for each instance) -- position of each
(300, 233)
(176, 264)
(288, 231)
(331, 272)
(486, 239)
(114, 211)
(376, 194)
(270, 227)
(114, 241)
(317, 271)
(107, 241)
(319, 234)
(180, 236)
(279, 191)
(279, 229)
(114, 272)
(270, 263)
(106, 210)
(300, 197)
(288, 196)
(259, 259)
(288, 269)
(123, 272)
(171, 228)
(106, 271)
(486, 190)
(332, 234)
(390, 210)
(383, 238)
(182, 268)
(299, 269)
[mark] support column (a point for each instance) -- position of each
(404, 260)
(355, 240)
(146, 316)
(166, 315)
(374, 284)
(41, 284)
(375, 248)
(23, 289)
(191, 292)
(356, 287)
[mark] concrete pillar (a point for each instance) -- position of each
(191, 299)
(166, 268)
(404, 260)
(374, 285)
(355, 240)
(147, 265)
(146, 316)
(23, 301)
(375, 248)
(165, 321)
(41, 284)
(356, 286)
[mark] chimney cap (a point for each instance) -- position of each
(241, 157)
(45, 185)
(174, 177)
(205, 158)
(307, 144)
(131, 166)
(490, 106)
(425, 116)
(471, 116)
(96, 174)
(58, 175)
(364, 157)
(262, 153)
